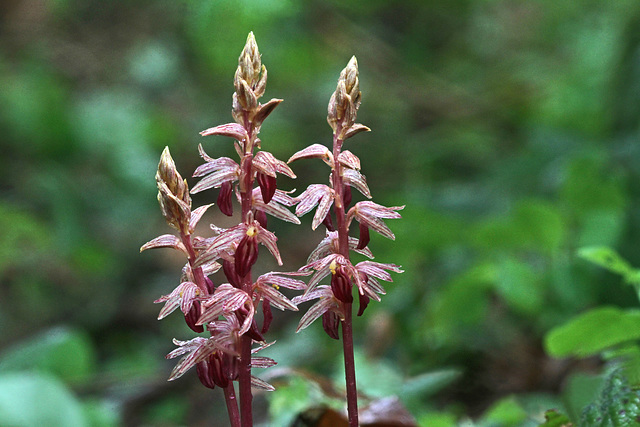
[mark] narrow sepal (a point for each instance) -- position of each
(356, 180)
(265, 109)
(317, 151)
(348, 159)
(217, 178)
(316, 310)
(261, 384)
(165, 241)
(356, 128)
(196, 216)
(266, 163)
(371, 214)
(233, 130)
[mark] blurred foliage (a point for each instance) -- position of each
(508, 128)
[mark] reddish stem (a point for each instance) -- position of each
(198, 274)
(343, 248)
(245, 382)
(246, 193)
(350, 367)
(232, 405)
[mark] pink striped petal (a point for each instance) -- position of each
(317, 151)
(234, 130)
(350, 160)
(165, 241)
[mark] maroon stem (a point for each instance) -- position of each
(246, 193)
(343, 248)
(198, 274)
(232, 405)
(350, 367)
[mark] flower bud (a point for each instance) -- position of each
(346, 196)
(246, 252)
(261, 217)
(229, 270)
(267, 186)
(330, 323)
(191, 318)
(173, 194)
(224, 201)
(328, 222)
(267, 316)
(212, 371)
(363, 241)
(363, 300)
(345, 101)
(341, 285)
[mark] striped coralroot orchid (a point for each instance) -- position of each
(226, 312)
(332, 255)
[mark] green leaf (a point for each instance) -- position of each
(506, 412)
(593, 331)
(34, 400)
(556, 419)
(607, 258)
(518, 284)
(65, 353)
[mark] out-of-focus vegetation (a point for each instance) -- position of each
(510, 129)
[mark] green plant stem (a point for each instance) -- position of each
(232, 405)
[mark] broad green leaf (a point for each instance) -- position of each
(593, 331)
(34, 400)
(519, 285)
(65, 353)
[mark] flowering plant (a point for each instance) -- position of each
(227, 311)
(332, 255)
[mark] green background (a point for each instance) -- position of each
(508, 128)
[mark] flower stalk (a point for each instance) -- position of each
(333, 254)
(225, 311)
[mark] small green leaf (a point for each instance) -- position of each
(556, 419)
(607, 258)
(520, 287)
(593, 331)
(506, 412)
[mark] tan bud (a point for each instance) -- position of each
(249, 61)
(345, 101)
(173, 193)
(262, 83)
(246, 97)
